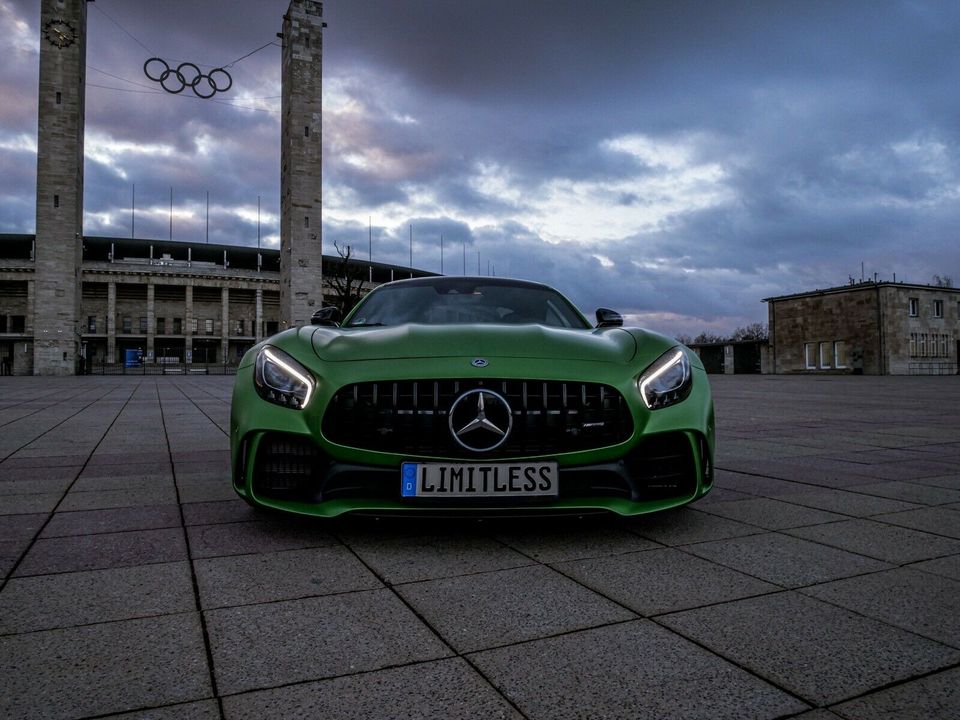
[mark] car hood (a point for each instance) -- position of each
(611, 345)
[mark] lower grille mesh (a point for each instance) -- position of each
(663, 467)
(287, 466)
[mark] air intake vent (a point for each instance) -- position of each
(287, 466)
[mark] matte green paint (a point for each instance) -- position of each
(337, 357)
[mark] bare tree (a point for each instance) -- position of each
(707, 337)
(753, 331)
(348, 280)
(943, 281)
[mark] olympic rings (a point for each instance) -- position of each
(188, 75)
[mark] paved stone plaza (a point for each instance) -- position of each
(820, 579)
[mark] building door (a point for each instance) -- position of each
(746, 358)
(205, 351)
(712, 358)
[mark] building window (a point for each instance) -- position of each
(914, 307)
(178, 326)
(913, 344)
(91, 323)
(143, 325)
(826, 355)
(306, 131)
(944, 346)
(923, 344)
(3, 323)
(273, 327)
(938, 308)
(193, 325)
(840, 354)
(56, 201)
(809, 355)
(239, 330)
(208, 327)
(306, 221)
(126, 325)
(17, 323)
(161, 326)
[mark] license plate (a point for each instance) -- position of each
(463, 480)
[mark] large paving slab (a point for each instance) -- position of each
(439, 689)
(508, 606)
(822, 653)
(99, 669)
(818, 580)
(631, 670)
(269, 644)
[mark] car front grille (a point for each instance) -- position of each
(412, 417)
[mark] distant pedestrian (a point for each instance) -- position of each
(5, 366)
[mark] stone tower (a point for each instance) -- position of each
(63, 52)
(301, 279)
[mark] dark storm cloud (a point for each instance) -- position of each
(781, 144)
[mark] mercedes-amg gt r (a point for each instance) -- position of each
(453, 395)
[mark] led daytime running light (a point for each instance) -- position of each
(287, 367)
(665, 366)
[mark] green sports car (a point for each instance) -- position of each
(455, 395)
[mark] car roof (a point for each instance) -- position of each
(467, 281)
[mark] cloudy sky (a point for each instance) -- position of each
(678, 161)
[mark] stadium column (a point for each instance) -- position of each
(31, 308)
(60, 118)
(111, 322)
(188, 325)
(224, 324)
(301, 273)
(258, 323)
(151, 322)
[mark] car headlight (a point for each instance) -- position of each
(667, 381)
(282, 380)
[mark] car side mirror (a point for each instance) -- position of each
(608, 318)
(329, 316)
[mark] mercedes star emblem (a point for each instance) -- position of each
(480, 420)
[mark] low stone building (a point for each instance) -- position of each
(159, 303)
(876, 328)
(729, 357)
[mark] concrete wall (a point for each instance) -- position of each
(934, 338)
(849, 317)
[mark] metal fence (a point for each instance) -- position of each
(160, 369)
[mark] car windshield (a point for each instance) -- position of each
(463, 300)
